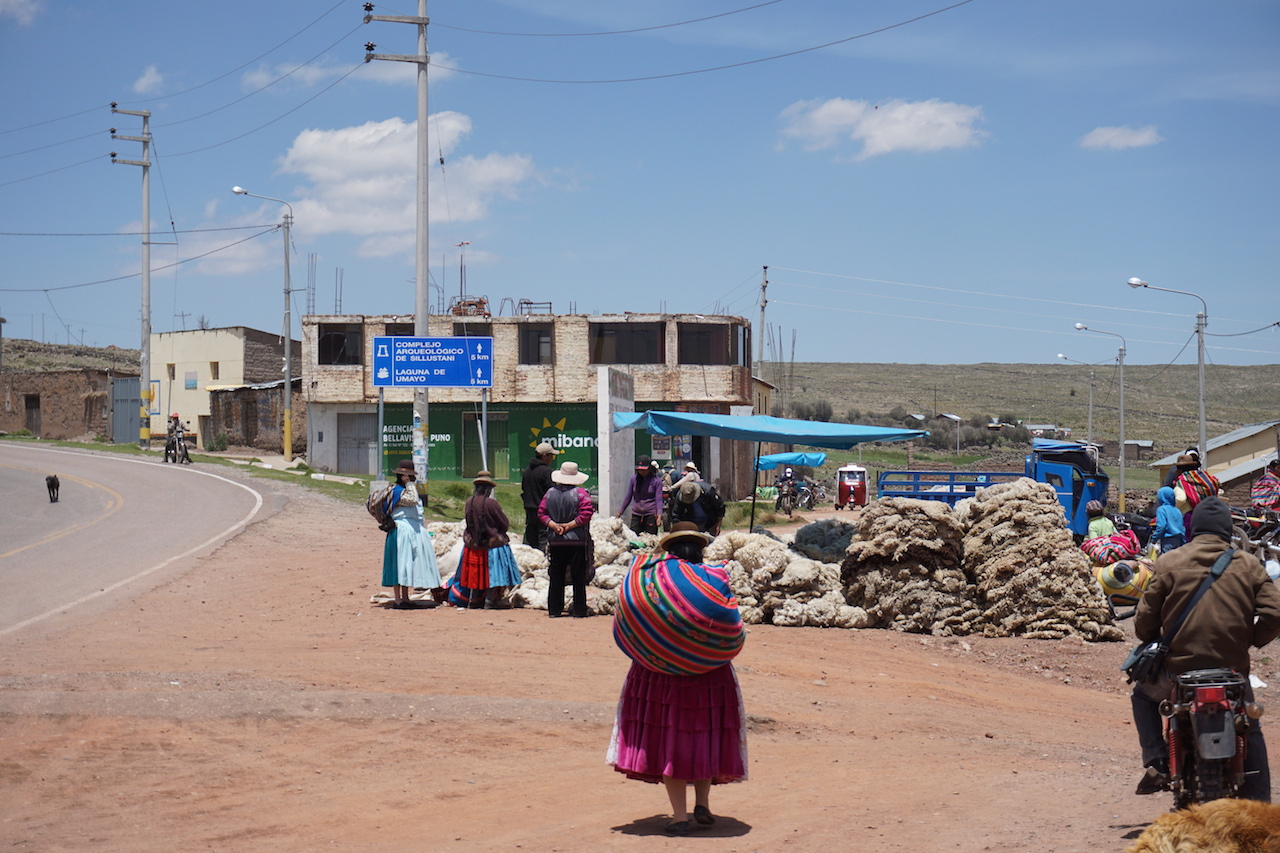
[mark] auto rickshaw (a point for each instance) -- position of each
(851, 486)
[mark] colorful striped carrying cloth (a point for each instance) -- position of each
(1196, 485)
(676, 617)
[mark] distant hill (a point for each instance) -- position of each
(26, 356)
(1160, 400)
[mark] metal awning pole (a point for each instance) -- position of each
(755, 479)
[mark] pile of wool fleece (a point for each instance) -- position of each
(774, 584)
(1030, 579)
(904, 568)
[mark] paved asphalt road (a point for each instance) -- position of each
(119, 524)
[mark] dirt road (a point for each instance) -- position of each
(258, 702)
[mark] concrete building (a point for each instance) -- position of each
(186, 366)
(1236, 458)
(544, 389)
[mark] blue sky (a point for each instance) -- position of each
(961, 188)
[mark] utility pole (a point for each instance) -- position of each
(764, 286)
(144, 428)
(422, 306)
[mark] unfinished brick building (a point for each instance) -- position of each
(544, 388)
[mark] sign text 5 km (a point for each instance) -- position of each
(410, 362)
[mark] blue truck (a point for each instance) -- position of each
(1071, 467)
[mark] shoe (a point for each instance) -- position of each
(677, 827)
(554, 615)
(703, 815)
(1153, 782)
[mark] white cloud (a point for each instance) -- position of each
(1119, 138)
(22, 11)
(930, 125)
(363, 180)
(150, 82)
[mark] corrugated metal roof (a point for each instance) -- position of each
(1220, 441)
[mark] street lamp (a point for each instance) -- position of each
(1081, 327)
(287, 431)
(1092, 383)
(1202, 320)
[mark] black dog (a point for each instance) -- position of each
(52, 482)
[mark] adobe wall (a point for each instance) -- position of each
(71, 403)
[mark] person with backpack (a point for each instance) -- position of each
(566, 512)
(698, 502)
(408, 557)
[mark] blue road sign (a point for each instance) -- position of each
(409, 362)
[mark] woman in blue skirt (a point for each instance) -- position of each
(487, 567)
(408, 557)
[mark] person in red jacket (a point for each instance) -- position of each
(1240, 610)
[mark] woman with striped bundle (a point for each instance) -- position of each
(680, 718)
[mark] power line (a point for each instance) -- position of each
(125, 233)
(136, 274)
(51, 171)
(222, 76)
(265, 86)
(273, 121)
(717, 67)
(612, 32)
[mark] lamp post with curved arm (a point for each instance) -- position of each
(286, 434)
(1123, 343)
(1202, 320)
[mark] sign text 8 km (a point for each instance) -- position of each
(411, 362)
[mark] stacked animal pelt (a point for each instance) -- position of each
(1030, 579)
(1000, 564)
(904, 568)
(775, 584)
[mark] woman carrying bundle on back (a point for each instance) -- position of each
(680, 719)
(487, 566)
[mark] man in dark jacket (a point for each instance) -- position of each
(533, 485)
(1241, 609)
(697, 501)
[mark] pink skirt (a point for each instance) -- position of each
(684, 726)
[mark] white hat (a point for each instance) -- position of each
(689, 466)
(569, 474)
(544, 448)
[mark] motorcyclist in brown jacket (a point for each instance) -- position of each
(1240, 610)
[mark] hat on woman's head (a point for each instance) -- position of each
(569, 474)
(642, 463)
(1187, 459)
(683, 530)
(1093, 508)
(689, 466)
(484, 478)
(689, 492)
(405, 467)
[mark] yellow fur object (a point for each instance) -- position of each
(1222, 826)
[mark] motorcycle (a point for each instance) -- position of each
(1207, 721)
(785, 501)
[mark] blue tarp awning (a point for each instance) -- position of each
(761, 428)
(773, 460)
